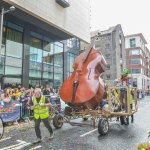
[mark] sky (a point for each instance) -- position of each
(133, 15)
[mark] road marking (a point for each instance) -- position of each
(18, 146)
(5, 139)
(36, 147)
(21, 146)
(88, 133)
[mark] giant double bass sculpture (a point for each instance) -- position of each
(85, 87)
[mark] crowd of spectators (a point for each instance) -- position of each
(23, 95)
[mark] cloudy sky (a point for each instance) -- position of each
(133, 15)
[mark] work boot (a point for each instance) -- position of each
(51, 136)
(38, 140)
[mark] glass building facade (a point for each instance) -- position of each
(30, 57)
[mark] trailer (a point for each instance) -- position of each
(98, 115)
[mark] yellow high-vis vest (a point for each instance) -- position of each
(40, 112)
(131, 98)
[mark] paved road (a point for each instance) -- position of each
(76, 138)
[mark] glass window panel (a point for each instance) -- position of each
(14, 44)
(71, 63)
(36, 43)
(35, 65)
(47, 46)
(57, 49)
(34, 82)
(48, 75)
(58, 69)
(48, 53)
(12, 70)
(35, 73)
(59, 44)
(11, 61)
(58, 60)
(135, 52)
(58, 56)
(71, 59)
(135, 61)
(35, 54)
(3, 41)
(136, 70)
(133, 42)
(12, 80)
(1, 64)
(58, 78)
(48, 67)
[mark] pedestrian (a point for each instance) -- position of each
(40, 105)
(6, 97)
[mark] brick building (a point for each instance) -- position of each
(112, 45)
(138, 60)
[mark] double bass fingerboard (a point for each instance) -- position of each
(85, 55)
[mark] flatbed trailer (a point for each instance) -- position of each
(98, 114)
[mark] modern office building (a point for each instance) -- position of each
(41, 40)
(111, 43)
(138, 60)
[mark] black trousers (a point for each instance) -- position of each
(37, 126)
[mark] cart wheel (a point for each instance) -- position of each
(58, 121)
(85, 118)
(1, 128)
(103, 126)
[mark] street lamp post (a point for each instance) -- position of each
(3, 11)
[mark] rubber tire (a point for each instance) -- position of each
(56, 123)
(101, 122)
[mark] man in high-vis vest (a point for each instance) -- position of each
(41, 105)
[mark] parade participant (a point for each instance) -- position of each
(131, 104)
(124, 82)
(40, 105)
